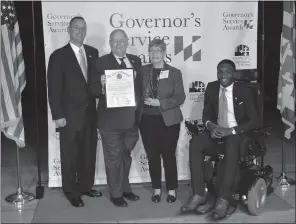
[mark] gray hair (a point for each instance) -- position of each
(157, 43)
(117, 30)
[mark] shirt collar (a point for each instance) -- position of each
(117, 57)
(75, 48)
(228, 88)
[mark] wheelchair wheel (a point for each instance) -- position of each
(257, 197)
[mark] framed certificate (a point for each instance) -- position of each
(120, 90)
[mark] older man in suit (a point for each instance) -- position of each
(229, 113)
(73, 111)
(118, 126)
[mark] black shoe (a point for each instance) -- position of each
(207, 207)
(171, 198)
(193, 202)
(221, 211)
(156, 198)
(119, 202)
(131, 196)
(92, 193)
(77, 202)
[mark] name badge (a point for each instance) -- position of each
(164, 74)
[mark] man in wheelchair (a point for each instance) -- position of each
(229, 116)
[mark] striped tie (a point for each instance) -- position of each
(83, 64)
(223, 110)
(122, 65)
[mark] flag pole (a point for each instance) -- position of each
(283, 181)
(20, 197)
(39, 188)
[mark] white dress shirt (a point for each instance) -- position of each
(77, 54)
(230, 114)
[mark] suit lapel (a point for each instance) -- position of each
(163, 83)
(113, 62)
(234, 97)
(216, 97)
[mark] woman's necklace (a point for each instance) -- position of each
(157, 83)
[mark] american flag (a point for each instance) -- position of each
(12, 69)
(286, 83)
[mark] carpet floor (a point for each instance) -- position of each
(54, 208)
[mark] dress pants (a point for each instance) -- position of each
(204, 145)
(117, 148)
(160, 141)
(78, 159)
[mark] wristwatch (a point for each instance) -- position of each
(233, 131)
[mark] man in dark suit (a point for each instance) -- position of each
(73, 110)
(118, 126)
(229, 113)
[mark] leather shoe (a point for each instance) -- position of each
(119, 202)
(208, 206)
(77, 202)
(92, 193)
(131, 196)
(221, 211)
(171, 198)
(156, 198)
(193, 202)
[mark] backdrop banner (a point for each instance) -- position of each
(198, 35)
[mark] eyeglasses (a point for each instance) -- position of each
(117, 41)
(155, 52)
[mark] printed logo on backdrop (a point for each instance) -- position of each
(242, 56)
(187, 50)
(238, 21)
(56, 167)
(123, 21)
(144, 163)
(58, 23)
(192, 122)
(196, 91)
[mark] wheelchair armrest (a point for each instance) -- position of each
(263, 131)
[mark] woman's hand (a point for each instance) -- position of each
(152, 102)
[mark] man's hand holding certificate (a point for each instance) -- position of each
(120, 88)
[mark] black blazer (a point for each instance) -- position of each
(115, 118)
(243, 102)
(68, 91)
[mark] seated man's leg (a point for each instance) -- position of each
(231, 158)
(200, 146)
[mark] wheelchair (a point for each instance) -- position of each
(254, 180)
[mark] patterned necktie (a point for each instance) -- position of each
(83, 63)
(122, 65)
(223, 110)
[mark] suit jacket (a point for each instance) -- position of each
(115, 118)
(68, 91)
(243, 102)
(170, 93)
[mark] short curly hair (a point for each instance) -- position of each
(157, 43)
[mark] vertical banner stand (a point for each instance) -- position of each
(20, 197)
